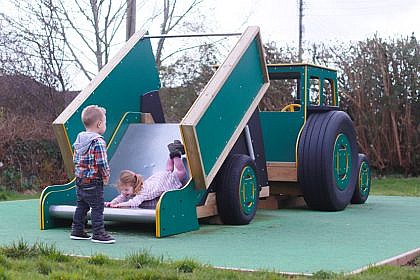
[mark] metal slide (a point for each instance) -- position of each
(142, 149)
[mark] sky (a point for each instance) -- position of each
(324, 20)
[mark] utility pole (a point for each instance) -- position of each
(300, 29)
(131, 19)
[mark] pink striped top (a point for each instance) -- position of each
(153, 187)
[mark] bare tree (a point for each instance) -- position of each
(30, 45)
(171, 19)
(75, 31)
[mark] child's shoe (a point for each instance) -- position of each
(103, 238)
(179, 146)
(176, 149)
(79, 235)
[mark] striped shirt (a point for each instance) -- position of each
(93, 163)
(153, 187)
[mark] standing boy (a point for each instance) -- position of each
(92, 172)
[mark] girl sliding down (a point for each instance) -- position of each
(136, 192)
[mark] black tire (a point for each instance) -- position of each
(361, 192)
(324, 187)
(233, 208)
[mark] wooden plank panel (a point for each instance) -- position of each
(209, 208)
(282, 171)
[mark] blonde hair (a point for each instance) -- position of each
(92, 114)
(128, 177)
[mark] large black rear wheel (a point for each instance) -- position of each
(237, 190)
(327, 160)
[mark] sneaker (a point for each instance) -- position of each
(103, 238)
(80, 236)
(179, 146)
(176, 146)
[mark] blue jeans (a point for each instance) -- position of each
(89, 196)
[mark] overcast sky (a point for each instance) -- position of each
(323, 19)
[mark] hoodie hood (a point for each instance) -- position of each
(83, 140)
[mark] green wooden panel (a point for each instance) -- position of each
(56, 195)
(177, 212)
(280, 132)
(224, 114)
(135, 75)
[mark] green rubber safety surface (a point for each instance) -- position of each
(292, 240)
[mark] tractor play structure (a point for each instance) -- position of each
(236, 151)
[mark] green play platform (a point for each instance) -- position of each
(291, 240)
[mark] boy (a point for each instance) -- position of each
(92, 172)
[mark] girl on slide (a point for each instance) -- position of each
(136, 192)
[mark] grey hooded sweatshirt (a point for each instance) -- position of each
(83, 140)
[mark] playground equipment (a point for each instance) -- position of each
(236, 152)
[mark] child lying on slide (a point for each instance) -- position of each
(136, 192)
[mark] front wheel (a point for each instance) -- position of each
(362, 190)
(237, 190)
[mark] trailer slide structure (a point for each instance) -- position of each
(236, 152)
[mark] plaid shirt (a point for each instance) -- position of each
(92, 164)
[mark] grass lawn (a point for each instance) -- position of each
(396, 186)
(8, 195)
(41, 261)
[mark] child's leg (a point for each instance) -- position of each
(170, 165)
(179, 168)
(79, 215)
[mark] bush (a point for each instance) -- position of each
(30, 165)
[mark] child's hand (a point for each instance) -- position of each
(107, 204)
(115, 205)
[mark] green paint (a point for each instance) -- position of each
(342, 161)
(362, 235)
(177, 211)
(280, 132)
(248, 194)
(364, 178)
(229, 106)
(135, 75)
(322, 74)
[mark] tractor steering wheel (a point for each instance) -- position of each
(290, 107)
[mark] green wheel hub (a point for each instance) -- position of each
(248, 190)
(342, 161)
(364, 178)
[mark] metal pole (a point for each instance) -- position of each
(131, 19)
(190, 35)
(300, 29)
